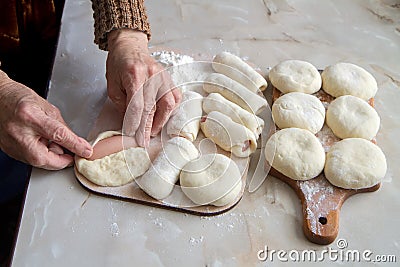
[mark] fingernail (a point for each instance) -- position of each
(87, 153)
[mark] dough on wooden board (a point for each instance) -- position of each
(355, 163)
(216, 102)
(348, 79)
(299, 110)
(235, 92)
(185, 121)
(295, 76)
(296, 153)
(349, 116)
(235, 68)
(211, 179)
(160, 179)
(116, 169)
(229, 135)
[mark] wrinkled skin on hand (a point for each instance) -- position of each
(129, 65)
(33, 131)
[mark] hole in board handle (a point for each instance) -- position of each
(322, 220)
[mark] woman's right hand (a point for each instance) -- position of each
(33, 131)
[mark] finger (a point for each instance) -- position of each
(132, 83)
(164, 108)
(58, 161)
(57, 132)
(167, 99)
(149, 108)
(165, 84)
(144, 131)
(133, 113)
(177, 95)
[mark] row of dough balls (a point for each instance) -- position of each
(352, 163)
(347, 116)
(337, 80)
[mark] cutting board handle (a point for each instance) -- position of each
(322, 228)
(321, 203)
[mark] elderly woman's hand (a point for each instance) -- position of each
(129, 65)
(33, 131)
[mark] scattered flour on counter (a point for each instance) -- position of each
(169, 58)
(114, 229)
(158, 222)
(195, 241)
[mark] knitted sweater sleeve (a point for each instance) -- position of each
(117, 14)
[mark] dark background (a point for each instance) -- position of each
(29, 32)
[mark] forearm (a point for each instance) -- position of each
(118, 14)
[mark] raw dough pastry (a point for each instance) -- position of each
(348, 79)
(235, 92)
(216, 102)
(235, 68)
(186, 120)
(116, 169)
(355, 163)
(295, 76)
(159, 180)
(229, 135)
(212, 179)
(299, 110)
(296, 153)
(350, 116)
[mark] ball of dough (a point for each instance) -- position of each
(212, 179)
(295, 76)
(349, 116)
(296, 153)
(299, 110)
(348, 79)
(355, 163)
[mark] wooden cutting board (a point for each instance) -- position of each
(321, 201)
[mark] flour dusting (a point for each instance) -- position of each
(169, 58)
(186, 73)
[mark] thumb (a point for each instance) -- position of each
(59, 133)
(49, 158)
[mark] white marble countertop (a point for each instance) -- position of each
(64, 225)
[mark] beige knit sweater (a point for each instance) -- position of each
(117, 14)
